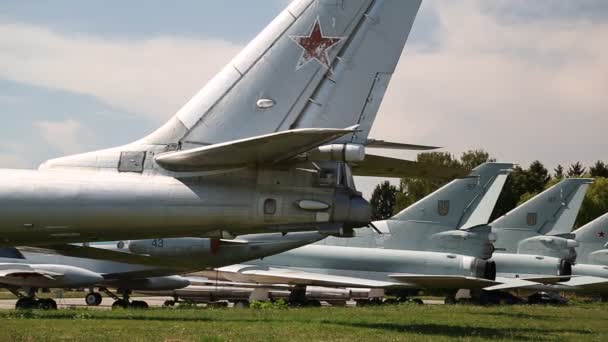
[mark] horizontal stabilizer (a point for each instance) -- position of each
(373, 143)
(265, 149)
(379, 166)
(443, 281)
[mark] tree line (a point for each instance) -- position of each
(521, 185)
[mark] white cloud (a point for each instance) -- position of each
(12, 161)
(151, 77)
(521, 91)
(63, 136)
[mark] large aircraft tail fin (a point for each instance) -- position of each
(319, 64)
(460, 203)
(551, 212)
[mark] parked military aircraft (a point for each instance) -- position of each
(448, 218)
(588, 246)
(538, 222)
(261, 148)
(150, 265)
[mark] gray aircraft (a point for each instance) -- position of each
(147, 265)
(454, 219)
(538, 222)
(586, 248)
(261, 148)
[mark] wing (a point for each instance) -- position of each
(275, 275)
(24, 271)
(444, 281)
(265, 149)
(530, 281)
(99, 254)
(272, 275)
(379, 166)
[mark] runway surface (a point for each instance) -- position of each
(66, 303)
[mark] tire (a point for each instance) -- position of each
(47, 304)
(315, 303)
(417, 301)
(449, 301)
(140, 305)
(25, 304)
(93, 299)
(120, 304)
(169, 303)
(241, 304)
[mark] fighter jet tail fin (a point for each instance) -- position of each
(266, 149)
(552, 212)
(594, 231)
(320, 63)
(456, 204)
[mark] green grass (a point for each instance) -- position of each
(583, 322)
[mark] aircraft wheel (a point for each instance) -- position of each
(169, 303)
(241, 304)
(139, 304)
(417, 301)
(449, 301)
(120, 304)
(315, 303)
(25, 304)
(47, 304)
(93, 299)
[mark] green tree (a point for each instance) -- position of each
(599, 170)
(383, 201)
(558, 172)
(473, 158)
(528, 182)
(576, 170)
(595, 203)
(413, 190)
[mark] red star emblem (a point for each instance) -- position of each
(601, 234)
(315, 45)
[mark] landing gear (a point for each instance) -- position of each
(125, 302)
(139, 304)
(93, 299)
(241, 304)
(297, 298)
(47, 304)
(121, 304)
(30, 302)
(450, 300)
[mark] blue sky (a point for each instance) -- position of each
(522, 79)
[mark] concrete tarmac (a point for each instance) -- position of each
(154, 302)
(67, 303)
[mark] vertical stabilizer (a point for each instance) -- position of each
(456, 203)
(553, 211)
(593, 241)
(320, 63)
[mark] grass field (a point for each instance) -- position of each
(585, 322)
